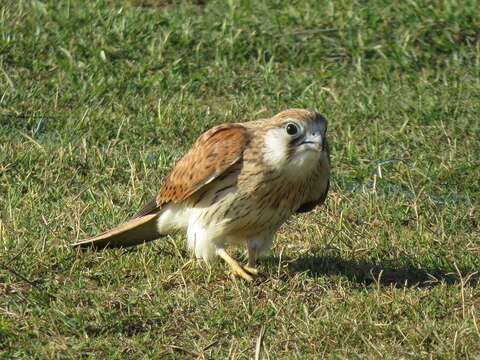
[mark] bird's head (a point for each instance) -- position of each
(295, 139)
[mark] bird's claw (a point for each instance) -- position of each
(245, 272)
(242, 273)
(251, 270)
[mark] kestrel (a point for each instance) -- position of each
(237, 185)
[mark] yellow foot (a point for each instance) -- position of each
(237, 269)
(251, 270)
(240, 272)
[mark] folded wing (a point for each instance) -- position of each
(211, 155)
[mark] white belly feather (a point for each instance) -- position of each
(225, 215)
(206, 233)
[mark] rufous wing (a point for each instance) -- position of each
(212, 154)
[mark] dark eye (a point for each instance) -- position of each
(292, 129)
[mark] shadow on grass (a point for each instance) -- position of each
(384, 273)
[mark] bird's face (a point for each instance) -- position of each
(296, 141)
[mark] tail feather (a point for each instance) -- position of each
(134, 232)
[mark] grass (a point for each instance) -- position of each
(97, 101)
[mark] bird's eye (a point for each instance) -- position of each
(292, 129)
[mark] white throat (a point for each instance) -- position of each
(275, 151)
(276, 154)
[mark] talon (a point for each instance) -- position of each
(234, 265)
(243, 274)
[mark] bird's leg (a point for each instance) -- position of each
(237, 269)
(252, 259)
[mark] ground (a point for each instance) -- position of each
(98, 100)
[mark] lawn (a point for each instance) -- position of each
(98, 101)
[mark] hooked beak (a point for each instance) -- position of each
(313, 141)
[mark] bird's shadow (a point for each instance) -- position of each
(382, 273)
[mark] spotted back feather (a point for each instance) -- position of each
(212, 154)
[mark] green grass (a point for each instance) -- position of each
(98, 101)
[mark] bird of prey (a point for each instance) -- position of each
(236, 186)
